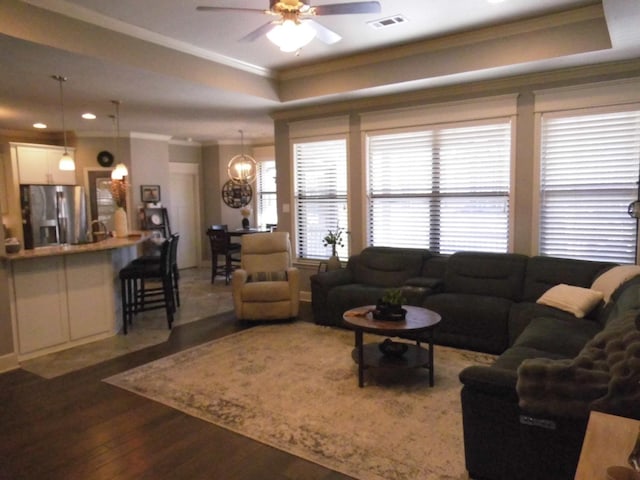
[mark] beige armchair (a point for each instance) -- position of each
(266, 286)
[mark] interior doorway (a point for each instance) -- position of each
(184, 211)
(101, 203)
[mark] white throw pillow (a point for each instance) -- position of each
(577, 300)
(609, 281)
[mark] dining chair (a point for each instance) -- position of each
(221, 245)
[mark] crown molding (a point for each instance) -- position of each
(431, 45)
(532, 81)
(86, 15)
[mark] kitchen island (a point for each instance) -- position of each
(67, 295)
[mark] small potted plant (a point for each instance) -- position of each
(333, 238)
(389, 307)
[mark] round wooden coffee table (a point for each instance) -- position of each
(418, 320)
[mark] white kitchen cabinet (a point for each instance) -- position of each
(40, 303)
(90, 294)
(38, 164)
(62, 301)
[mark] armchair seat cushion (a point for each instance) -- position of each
(265, 291)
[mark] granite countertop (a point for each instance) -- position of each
(134, 238)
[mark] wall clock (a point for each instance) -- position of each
(236, 195)
(105, 158)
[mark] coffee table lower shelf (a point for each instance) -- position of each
(415, 357)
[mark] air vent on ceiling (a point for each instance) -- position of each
(388, 21)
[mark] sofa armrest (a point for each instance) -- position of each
(334, 278)
(416, 289)
(490, 380)
(321, 285)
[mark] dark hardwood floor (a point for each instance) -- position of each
(77, 427)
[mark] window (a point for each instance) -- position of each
(320, 195)
(266, 193)
(588, 172)
(445, 188)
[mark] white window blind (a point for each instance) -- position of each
(442, 188)
(266, 193)
(321, 196)
(588, 172)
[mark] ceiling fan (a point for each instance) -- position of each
(293, 28)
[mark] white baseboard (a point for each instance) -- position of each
(8, 362)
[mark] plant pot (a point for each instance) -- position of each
(389, 312)
(333, 263)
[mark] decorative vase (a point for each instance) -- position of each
(121, 222)
(245, 223)
(333, 263)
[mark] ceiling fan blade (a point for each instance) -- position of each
(346, 8)
(228, 9)
(324, 34)
(258, 32)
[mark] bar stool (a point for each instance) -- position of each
(220, 243)
(175, 273)
(136, 298)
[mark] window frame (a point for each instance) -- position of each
(571, 111)
(506, 118)
(344, 252)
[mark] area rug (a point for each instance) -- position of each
(294, 387)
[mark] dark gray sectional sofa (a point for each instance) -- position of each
(525, 416)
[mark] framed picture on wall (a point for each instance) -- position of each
(150, 193)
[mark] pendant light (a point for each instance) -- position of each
(242, 169)
(66, 161)
(121, 171)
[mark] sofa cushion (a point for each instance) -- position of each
(475, 322)
(576, 300)
(564, 337)
(387, 267)
(609, 281)
(488, 274)
(523, 313)
(545, 272)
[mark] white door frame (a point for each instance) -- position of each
(191, 169)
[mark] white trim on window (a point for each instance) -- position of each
(446, 187)
(320, 190)
(602, 94)
(587, 163)
(499, 106)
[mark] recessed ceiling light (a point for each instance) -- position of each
(495, 1)
(88, 116)
(39, 125)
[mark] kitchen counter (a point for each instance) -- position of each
(67, 295)
(107, 244)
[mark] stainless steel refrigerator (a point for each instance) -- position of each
(53, 214)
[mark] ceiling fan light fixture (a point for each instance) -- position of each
(290, 35)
